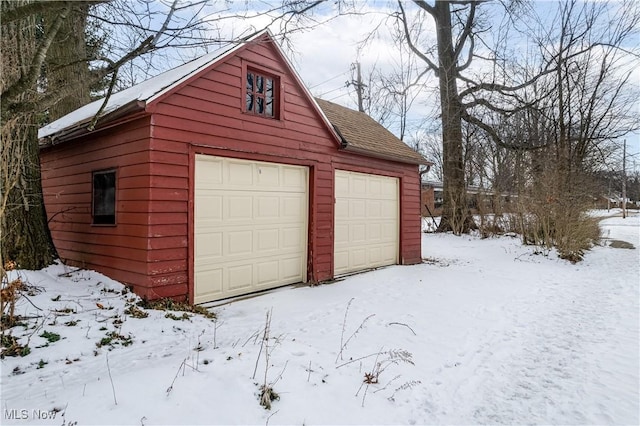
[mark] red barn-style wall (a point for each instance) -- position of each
(153, 150)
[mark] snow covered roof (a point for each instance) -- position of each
(143, 92)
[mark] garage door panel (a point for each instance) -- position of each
(358, 257)
(239, 243)
(250, 229)
(294, 178)
(266, 208)
(358, 233)
(240, 277)
(375, 255)
(267, 240)
(367, 232)
(357, 209)
(341, 185)
(293, 207)
(389, 231)
(209, 172)
(291, 269)
(341, 260)
(238, 208)
(389, 209)
(267, 272)
(268, 175)
(239, 173)
(341, 234)
(374, 232)
(210, 207)
(341, 207)
(209, 245)
(374, 209)
(375, 187)
(389, 253)
(358, 186)
(292, 238)
(209, 283)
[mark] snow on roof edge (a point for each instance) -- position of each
(145, 91)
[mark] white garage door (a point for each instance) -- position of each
(366, 221)
(250, 226)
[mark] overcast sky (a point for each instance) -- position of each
(324, 56)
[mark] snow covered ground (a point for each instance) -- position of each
(485, 331)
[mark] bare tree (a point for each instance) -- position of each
(509, 87)
(391, 93)
(38, 35)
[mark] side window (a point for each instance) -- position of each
(261, 94)
(104, 197)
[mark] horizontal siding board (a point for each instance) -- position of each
(138, 199)
(157, 291)
(169, 182)
(105, 251)
(166, 267)
(161, 206)
(164, 145)
(132, 218)
(126, 276)
(167, 230)
(159, 281)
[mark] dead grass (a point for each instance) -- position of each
(168, 304)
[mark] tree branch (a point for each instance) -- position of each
(29, 79)
(469, 57)
(425, 6)
(466, 32)
(407, 34)
(489, 130)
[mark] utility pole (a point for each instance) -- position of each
(359, 86)
(624, 179)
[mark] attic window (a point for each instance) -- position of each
(262, 94)
(104, 197)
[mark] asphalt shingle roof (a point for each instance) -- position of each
(365, 135)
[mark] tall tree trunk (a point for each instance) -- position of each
(455, 211)
(66, 62)
(24, 234)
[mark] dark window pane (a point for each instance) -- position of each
(250, 82)
(269, 97)
(104, 198)
(269, 108)
(249, 102)
(260, 105)
(269, 86)
(259, 83)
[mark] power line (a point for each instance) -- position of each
(331, 91)
(331, 79)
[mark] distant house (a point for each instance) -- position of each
(479, 199)
(224, 177)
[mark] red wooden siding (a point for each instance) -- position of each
(119, 251)
(151, 247)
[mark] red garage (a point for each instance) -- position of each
(223, 177)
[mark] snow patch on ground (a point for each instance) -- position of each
(484, 331)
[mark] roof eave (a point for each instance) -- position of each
(383, 156)
(104, 122)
